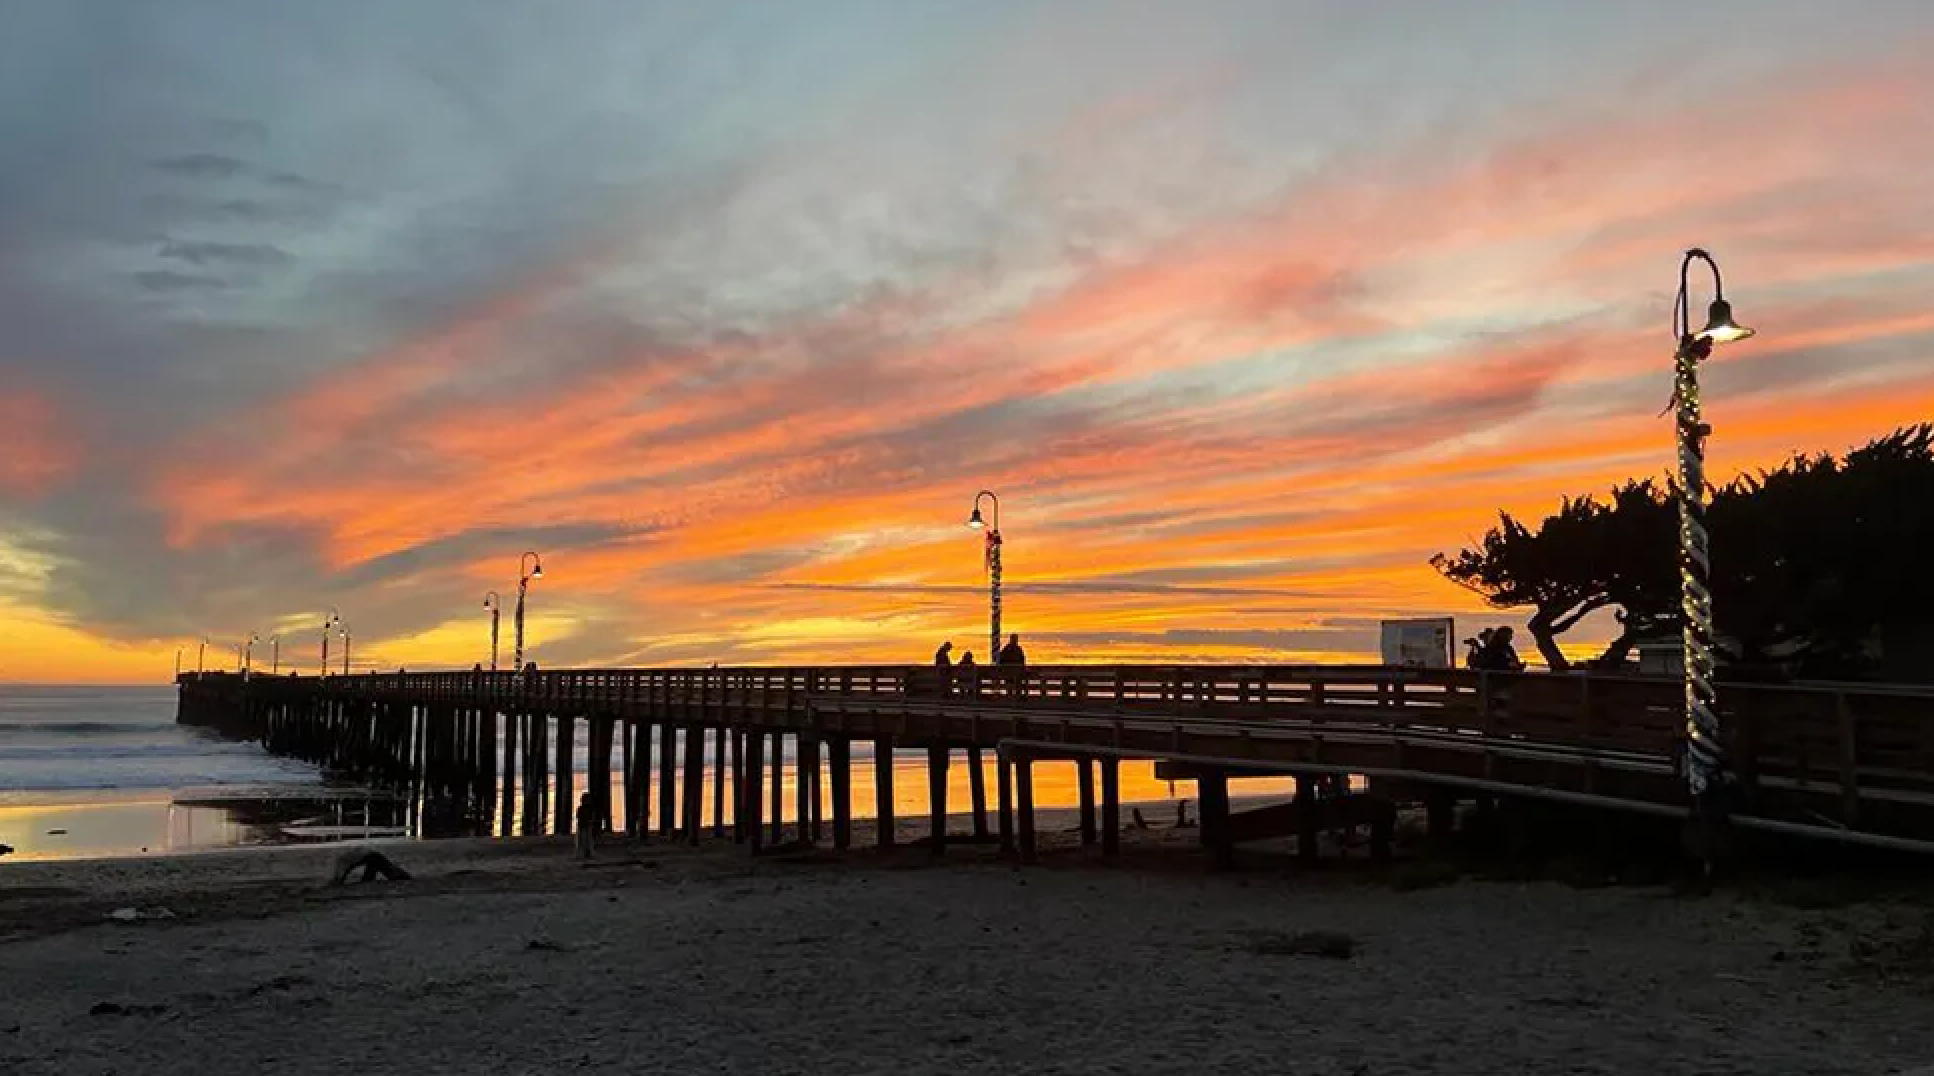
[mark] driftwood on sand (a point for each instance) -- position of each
(373, 864)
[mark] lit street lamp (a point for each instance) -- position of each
(523, 585)
(345, 650)
(1705, 754)
(248, 652)
(992, 525)
(275, 655)
(496, 606)
(334, 618)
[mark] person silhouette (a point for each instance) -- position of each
(1012, 654)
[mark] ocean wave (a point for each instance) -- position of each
(8, 729)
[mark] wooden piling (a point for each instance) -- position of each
(883, 789)
(718, 781)
(778, 787)
(1214, 791)
(566, 801)
(937, 758)
(1085, 782)
(1004, 782)
(1024, 808)
(641, 761)
(804, 786)
(1110, 806)
(667, 778)
(1306, 820)
(751, 792)
(738, 736)
(840, 751)
(694, 821)
(977, 791)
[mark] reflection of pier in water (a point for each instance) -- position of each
(285, 818)
(485, 753)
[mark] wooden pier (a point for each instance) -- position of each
(489, 753)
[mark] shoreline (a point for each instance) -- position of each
(664, 958)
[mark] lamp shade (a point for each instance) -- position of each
(1720, 326)
(975, 521)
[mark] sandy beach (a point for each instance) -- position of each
(512, 958)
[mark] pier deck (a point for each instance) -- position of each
(493, 749)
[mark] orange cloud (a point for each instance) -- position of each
(40, 447)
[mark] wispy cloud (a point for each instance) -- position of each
(1244, 312)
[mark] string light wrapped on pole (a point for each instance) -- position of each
(1705, 763)
(496, 606)
(992, 525)
(524, 577)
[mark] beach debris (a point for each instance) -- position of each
(135, 915)
(6, 849)
(113, 1008)
(545, 945)
(1330, 944)
(57, 833)
(372, 863)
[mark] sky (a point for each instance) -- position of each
(1244, 309)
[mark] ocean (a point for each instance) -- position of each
(93, 771)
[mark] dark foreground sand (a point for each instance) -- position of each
(511, 959)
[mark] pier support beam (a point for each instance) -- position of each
(1085, 782)
(883, 790)
(667, 777)
(1306, 816)
(840, 750)
(1004, 784)
(977, 791)
(1110, 806)
(566, 776)
(938, 757)
(1024, 809)
(751, 794)
(806, 788)
(694, 804)
(778, 787)
(1214, 787)
(718, 780)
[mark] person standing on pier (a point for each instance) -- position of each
(1012, 654)
(943, 669)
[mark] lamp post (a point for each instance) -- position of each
(275, 655)
(496, 606)
(524, 578)
(992, 525)
(1705, 754)
(248, 652)
(201, 651)
(345, 650)
(334, 618)
(178, 662)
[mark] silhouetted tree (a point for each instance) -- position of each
(1813, 562)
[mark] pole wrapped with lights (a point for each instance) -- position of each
(524, 577)
(992, 525)
(1705, 754)
(495, 604)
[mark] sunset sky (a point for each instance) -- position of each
(1244, 308)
